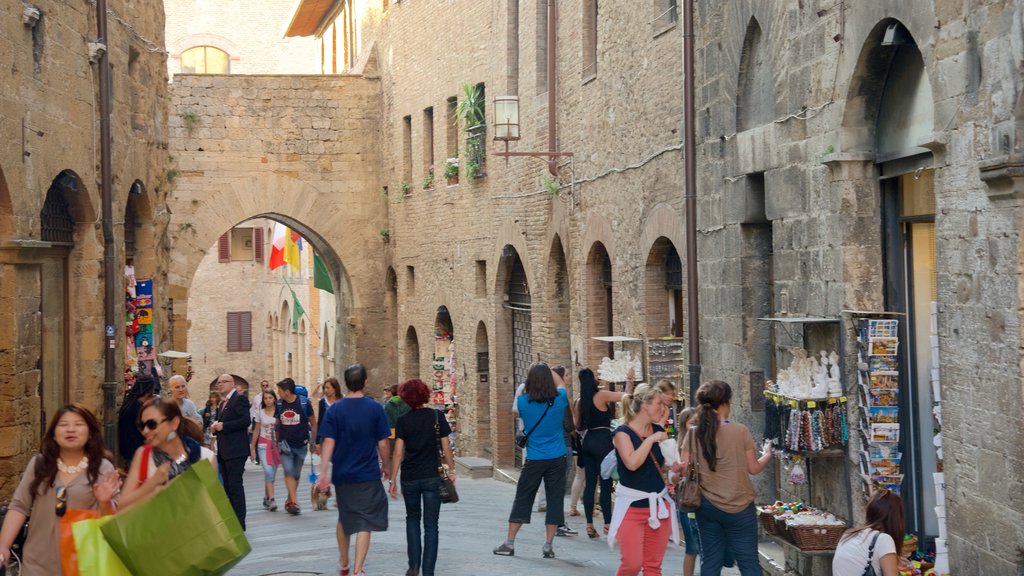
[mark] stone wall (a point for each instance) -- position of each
(50, 121)
(301, 150)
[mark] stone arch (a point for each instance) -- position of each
(195, 227)
(138, 232)
(6, 209)
(443, 322)
(513, 332)
(482, 416)
(755, 94)
(598, 284)
(871, 75)
(411, 364)
(664, 300)
(510, 234)
(557, 304)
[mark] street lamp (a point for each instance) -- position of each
(506, 118)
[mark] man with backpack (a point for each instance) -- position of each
(296, 425)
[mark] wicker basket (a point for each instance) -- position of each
(816, 537)
(781, 529)
(768, 522)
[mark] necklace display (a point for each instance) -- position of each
(72, 470)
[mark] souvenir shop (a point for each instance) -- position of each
(443, 390)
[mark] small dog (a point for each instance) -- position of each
(317, 498)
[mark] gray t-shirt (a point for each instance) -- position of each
(189, 410)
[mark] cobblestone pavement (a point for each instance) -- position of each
(293, 545)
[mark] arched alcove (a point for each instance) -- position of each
(558, 305)
(482, 406)
(600, 305)
(664, 300)
(411, 364)
(755, 96)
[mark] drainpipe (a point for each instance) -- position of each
(109, 253)
(552, 143)
(690, 196)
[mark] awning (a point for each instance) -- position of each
(311, 17)
(174, 354)
(616, 339)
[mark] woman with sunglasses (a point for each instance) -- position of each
(171, 447)
(70, 471)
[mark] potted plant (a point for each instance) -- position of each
(428, 179)
(451, 171)
(470, 111)
(473, 168)
(404, 187)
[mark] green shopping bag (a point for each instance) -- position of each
(95, 556)
(188, 528)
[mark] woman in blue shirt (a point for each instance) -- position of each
(542, 408)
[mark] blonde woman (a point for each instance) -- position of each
(644, 516)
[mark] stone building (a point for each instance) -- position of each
(51, 238)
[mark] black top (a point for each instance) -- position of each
(416, 429)
(600, 419)
(293, 421)
(645, 478)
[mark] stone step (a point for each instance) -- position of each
(473, 467)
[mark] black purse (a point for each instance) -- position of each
(869, 570)
(447, 489)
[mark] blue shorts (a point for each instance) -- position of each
(690, 533)
(292, 463)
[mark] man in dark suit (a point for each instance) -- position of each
(232, 442)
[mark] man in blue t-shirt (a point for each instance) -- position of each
(355, 436)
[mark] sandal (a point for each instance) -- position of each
(574, 512)
(591, 532)
(344, 570)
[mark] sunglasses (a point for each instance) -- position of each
(62, 501)
(150, 424)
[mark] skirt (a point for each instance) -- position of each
(362, 507)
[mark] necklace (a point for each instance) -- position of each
(181, 459)
(72, 470)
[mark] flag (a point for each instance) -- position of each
(277, 246)
(292, 249)
(297, 310)
(321, 278)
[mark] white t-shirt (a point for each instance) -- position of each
(266, 424)
(852, 553)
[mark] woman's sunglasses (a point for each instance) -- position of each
(150, 424)
(62, 501)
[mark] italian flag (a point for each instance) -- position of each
(277, 246)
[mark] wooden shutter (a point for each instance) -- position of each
(239, 331)
(224, 247)
(257, 243)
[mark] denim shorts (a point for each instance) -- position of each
(292, 463)
(269, 472)
(690, 533)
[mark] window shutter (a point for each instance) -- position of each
(245, 331)
(257, 243)
(224, 247)
(233, 332)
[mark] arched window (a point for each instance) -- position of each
(205, 60)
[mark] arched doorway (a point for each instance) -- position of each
(57, 227)
(599, 304)
(411, 366)
(889, 115)
(559, 344)
(443, 383)
(663, 291)
(482, 406)
(518, 311)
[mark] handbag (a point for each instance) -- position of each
(687, 488)
(18, 546)
(869, 570)
(522, 439)
(447, 489)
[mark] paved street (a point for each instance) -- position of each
(284, 544)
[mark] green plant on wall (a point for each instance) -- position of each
(385, 233)
(404, 187)
(551, 185)
(451, 168)
(470, 109)
(428, 180)
(191, 120)
(473, 168)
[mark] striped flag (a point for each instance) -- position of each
(277, 246)
(293, 249)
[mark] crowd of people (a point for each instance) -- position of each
(400, 439)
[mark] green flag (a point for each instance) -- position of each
(321, 278)
(297, 310)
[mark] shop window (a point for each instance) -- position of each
(240, 245)
(239, 331)
(205, 60)
(55, 219)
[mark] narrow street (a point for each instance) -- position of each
(284, 545)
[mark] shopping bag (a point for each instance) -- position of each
(186, 529)
(95, 556)
(68, 552)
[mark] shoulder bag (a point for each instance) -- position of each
(869, 570)
(688, 485)
(522, 439)
(448, 493)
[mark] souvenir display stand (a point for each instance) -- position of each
(443, 394)
(807, 417)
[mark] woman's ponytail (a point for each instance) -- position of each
(710, 396)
